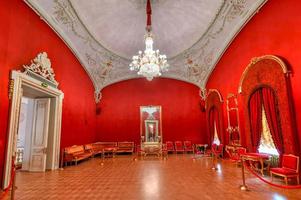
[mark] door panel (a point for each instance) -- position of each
(40, 135)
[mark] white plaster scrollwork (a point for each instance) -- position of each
(199, 59)
(41, 66)
(203, 93)
(97, 96)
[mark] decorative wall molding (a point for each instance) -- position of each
(193, 65)
(40, 68)
(11, 88)
(217, 92)
(97, 96)
(258, 59)
(203, 93)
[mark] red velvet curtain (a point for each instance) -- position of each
(211, 124)
(255, 115)
(270, 108)
(217, 124)
(213, 117)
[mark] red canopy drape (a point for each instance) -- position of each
(255, 115)
(213, 117)
(264, 97)
(270, 108)
(217, 124)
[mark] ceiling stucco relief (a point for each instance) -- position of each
(104, 34)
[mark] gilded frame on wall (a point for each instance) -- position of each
(151, 124)
(233, 120)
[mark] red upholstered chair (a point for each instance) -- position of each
(235, 155)
(241, 151)
(170, 146)
(289, 169)
(188, 146)
(217, 150)
(179, 146)
(164, 151)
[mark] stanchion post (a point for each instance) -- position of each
(12, 196)
(13, 187)
(62, 159)
(102, 157)
(214, 160)
(243, 187)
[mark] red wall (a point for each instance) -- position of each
(182, 119)
(274, 30)
(23, 35)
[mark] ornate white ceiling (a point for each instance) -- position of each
(105, 34)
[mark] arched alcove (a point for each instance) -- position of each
(214, 103)
(269, 71)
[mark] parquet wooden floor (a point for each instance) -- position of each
(177, 178)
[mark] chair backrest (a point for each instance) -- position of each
(88, 147)
(220, 147)
(187, 144)
(164, 147)
(213, 146)
(125, 144)
(75, 149)
(290, 161)
(169, 143)
(178, 144)
(241, 151)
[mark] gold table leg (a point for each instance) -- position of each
(214, 162)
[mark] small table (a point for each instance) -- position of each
(152, 150)
(109, 150)
(257, 157)
(201, 148)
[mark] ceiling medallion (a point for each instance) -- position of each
(150, 63)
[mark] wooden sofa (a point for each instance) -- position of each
(76, 153)
(125, 147)
(94, 148)
(105, 147)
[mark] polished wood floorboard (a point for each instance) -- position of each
(177, 178)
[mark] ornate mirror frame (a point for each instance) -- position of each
(151, 125)
(233, 120)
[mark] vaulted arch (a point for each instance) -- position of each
(214, 112)
(271, 72)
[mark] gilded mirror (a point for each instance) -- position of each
(233, 120)
(150, 124)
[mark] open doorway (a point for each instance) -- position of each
(38, 133)
(35, 122)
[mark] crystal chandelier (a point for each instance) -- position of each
(150, 63)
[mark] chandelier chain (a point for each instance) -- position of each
(149, 63)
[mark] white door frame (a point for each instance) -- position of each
(19, 79)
